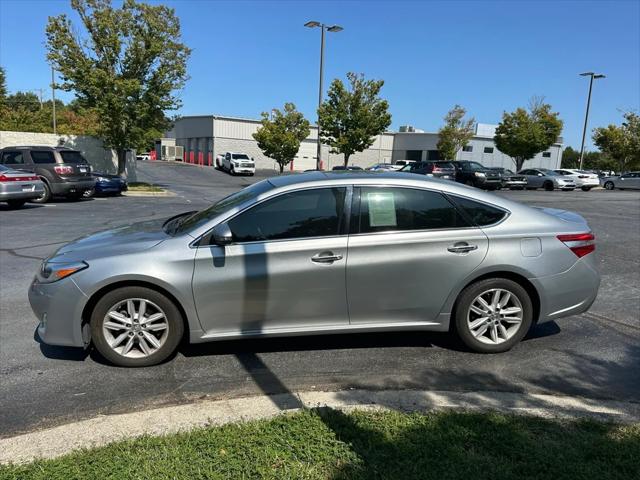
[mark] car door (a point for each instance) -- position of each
(534, 178)
(285, 269)
(630, 180)
(409, 248)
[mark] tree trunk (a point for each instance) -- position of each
(519, 163)
(346, 159)
(281, 165)
(122, 160)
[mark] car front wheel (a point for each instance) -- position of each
(136, 327)
(609, 185)
(585, 189)
(493, 315)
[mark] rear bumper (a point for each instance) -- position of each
(15, 192)
(570, 292)
(67, 187)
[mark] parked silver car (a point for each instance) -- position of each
(547, 179)
(17, 187)
(320, 253)
(630, 180)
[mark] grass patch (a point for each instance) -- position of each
(145, 187)
(327, 444)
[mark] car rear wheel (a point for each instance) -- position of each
(136, 327)
(609, 185)
(493, 315)
(548, 186)
(586, 189)
(16, 203)
(46, 194)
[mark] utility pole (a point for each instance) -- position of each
(586, 116)
(53, 96)
(328, 28)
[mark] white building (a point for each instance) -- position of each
(205, 136)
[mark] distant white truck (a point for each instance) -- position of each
(238, 163)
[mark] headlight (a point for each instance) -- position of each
(479, 174)
(102, 179)
(52, 272)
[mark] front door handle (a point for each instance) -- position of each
(462, 247)
(325, 257)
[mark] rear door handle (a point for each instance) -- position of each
(325, 257)
(462, 248)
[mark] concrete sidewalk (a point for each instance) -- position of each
(102, 430)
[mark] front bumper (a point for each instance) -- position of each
(58, 307)
(514, 183)
(110, 187)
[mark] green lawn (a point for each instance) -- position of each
(326, 444)
(145, 187)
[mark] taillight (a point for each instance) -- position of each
(4, 178)
(63, 169)
(437, 169)
(579, 243)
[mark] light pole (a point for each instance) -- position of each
(328, 28)
(586, 116)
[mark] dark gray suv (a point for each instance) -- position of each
(63, 171)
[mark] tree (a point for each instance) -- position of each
(3, 87)
(280, 136)
(622, 143)
(127, 67)
(351, 118)
(522, 134)
(455, 133)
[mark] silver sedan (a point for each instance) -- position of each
(320, 253)
(17, 187)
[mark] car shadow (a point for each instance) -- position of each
(26, 206)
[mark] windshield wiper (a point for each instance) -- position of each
(171, 225)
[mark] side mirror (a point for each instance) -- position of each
(221, 235)
(252, 159)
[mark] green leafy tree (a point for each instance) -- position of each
(455, 133)
(351, 118)
(127, 67)
(3, 87)
(25, 100)
(622, 143)
(524, 133)
(280, 136)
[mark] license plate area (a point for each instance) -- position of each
(27, 188)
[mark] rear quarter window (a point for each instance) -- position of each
(42, 156)
(479, 213)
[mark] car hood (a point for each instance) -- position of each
(117, 241)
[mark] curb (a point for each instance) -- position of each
(166, 193)
(101, 430)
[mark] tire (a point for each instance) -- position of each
(469, 183)
(586, 189)
(167, 338)
(46, 196)
(609, 185)
(548, 186)
(232, 171)
(89, 193)
(484, 343)
(13, 204)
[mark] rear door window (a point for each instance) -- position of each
(479, 213)
(72, 157)
(12, 158)
(392, 209)
(42, 156)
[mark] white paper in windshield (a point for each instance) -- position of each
(382, 209)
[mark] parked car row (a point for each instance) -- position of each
(39, 173)
(492, 178)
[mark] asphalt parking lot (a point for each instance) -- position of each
(595, 355)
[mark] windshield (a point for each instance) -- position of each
(72, 157)
(475, 166)
(227, 203)
(240, 156)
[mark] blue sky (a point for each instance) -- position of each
(488, 56)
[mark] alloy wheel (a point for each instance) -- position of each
(135, 328)
(495, 316)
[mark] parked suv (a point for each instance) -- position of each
(431, 169)
(477, 175)
(63, 171)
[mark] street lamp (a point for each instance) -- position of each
(328, 28)
(586, 116)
